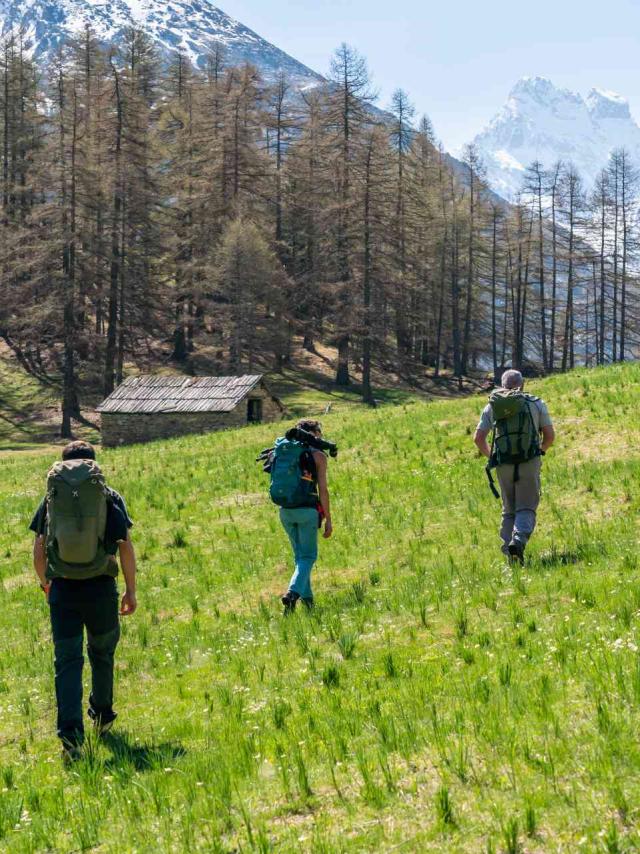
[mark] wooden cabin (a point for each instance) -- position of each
(150, 407)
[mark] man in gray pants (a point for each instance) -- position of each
(519, 483)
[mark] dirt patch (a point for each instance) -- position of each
(242, 500)
(603, 448)
(16, 581)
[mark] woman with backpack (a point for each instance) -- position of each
(298, 467)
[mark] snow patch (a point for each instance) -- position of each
(507, 161)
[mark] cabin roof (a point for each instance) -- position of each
(149, 394)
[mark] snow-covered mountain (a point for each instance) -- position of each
(543, 122)
(192, 26)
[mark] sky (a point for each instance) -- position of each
(459, 60)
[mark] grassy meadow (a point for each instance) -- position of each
(437, 699)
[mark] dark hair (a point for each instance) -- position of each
(79, 450)
(309, 425)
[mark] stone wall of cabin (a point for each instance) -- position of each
(127, 429)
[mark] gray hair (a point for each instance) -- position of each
(512, 379)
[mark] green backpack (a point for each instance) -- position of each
(293, 482)
(515, 436)
(76, 520)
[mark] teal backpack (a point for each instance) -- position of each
(515, 437)
(293, 480)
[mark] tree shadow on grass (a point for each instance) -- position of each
(143, 757)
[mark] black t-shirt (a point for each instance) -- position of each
(118, 521)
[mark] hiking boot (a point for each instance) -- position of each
(71, 753)
(102, 721)
(516, 551)
(289, 601)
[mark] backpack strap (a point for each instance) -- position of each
(492, 464)
(492, 485)
(534, 432)
(521, 419)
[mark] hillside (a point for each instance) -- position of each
(30, 411)
(436, 700)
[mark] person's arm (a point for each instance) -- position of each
(38, 526)
(128, 565)
(548, 437)
(546, 427)
(40, 561)
(323, 491)
(480, 438)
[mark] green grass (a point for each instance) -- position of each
(436, 700)
(306, 392)
(20, 397)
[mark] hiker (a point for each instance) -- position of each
(79, 527)
(298, 468)
(517, 421)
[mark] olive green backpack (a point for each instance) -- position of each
(515, 436)
(76, 520)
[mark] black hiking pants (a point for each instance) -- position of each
(76, 606)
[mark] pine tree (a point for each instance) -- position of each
(349, 97)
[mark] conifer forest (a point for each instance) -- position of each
(153, 210)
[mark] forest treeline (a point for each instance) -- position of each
(149, 209)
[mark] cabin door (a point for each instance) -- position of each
(254, 411)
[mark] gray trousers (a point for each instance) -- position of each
(519, 501)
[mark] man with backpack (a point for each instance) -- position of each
(79, 527)
(522, 432)
(298, 468)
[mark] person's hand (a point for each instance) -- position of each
(129, 604)
(328, 529)
(46, 589)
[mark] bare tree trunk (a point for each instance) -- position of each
(494, 262)
(625, 247)
(466, 338)
(603, 275)
(70, 404)
(616, 219)
(440, 321)
(541, 254)
(367, 393)
(114, 279)
(554, 270)
(122, 308)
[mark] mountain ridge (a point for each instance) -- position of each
(541, 121)
(192, 27)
